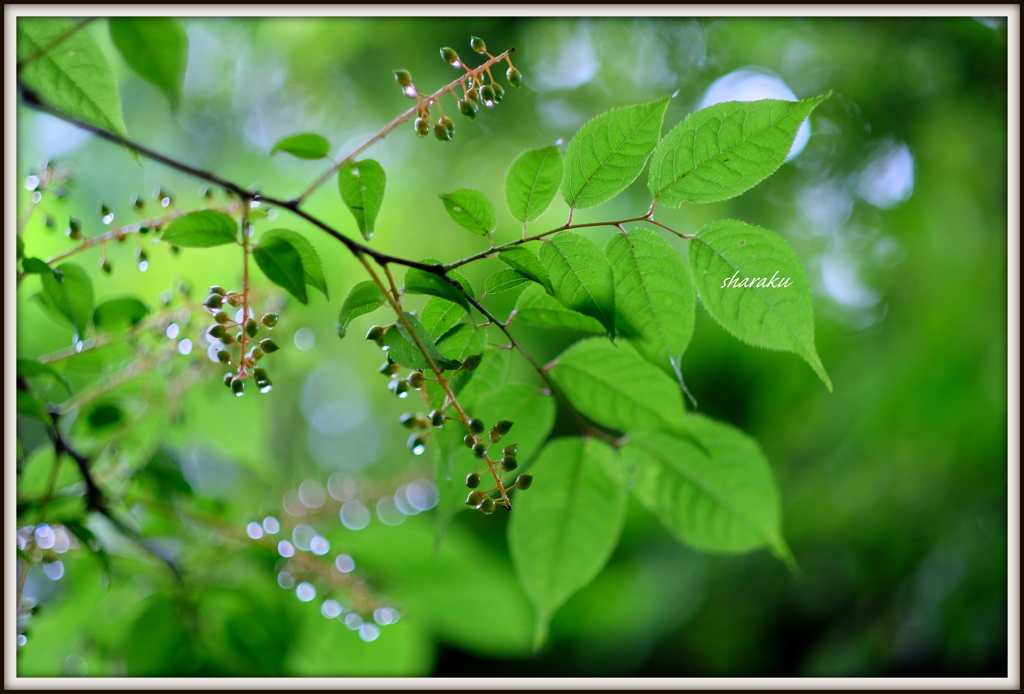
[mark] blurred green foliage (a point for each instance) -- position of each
(894, 487)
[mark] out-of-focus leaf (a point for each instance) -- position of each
(202, 229)
(156, 48)
(304, 146)
(117, 313)
(69, 290)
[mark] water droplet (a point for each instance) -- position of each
(456, 209)
(419, 448)
(345, 563)
(254, 530)
(382, 615)
(75, 664)
(311, 494)
(319, 546)
(354, 515)
(304, 339)
(185, 347)
(164, 202)
(353, 621)
(107, 219)
(22, 639)
(172, 331)
(254, 204)
(402, 396)
(45, 537)
(456, 64)
(410, 91)
(143, 265)
(388, 512)
(32, 182)
(305, 591)
(271, 526)
(286, 580)
(37, 196)
(54, 570)
(266, 387)
(239, 394)
(422, 495)
(369, 632)
(489, 104)
(331, 609)
(341, 487)
(303, 536)
(402, 501)
(285, 549)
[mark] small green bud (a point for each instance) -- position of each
(407, 420)
(50, 222)
(269, 346)
(469, 440)
(228, 378)
(502, 427)
(260, 374)
(217, 331)
(487, 506)
(137, 202)
(237, 386)
(524, 481)
(478, 45)
(474, 96)
(475, 499)
(235, 300)
(416, 380)
(476, 426)
(437, 418)
(472, 480)
(141, 256)
(448, 123)
(256, 354)
(105, 265)
(494, 436)
(471, 362)
(449, 56)
(215, 289)
(499, 92)
(269, 320)
(251, 327)
(175, 250)
(214, 301)
(228, 339)
(223, 356)
(511, 449)
(468, 108)
(487, 93)
(480, 450)
(422, 421)
(403, 77)
(144, 229)
(421, 126)
(205, 192)
(509, 463)
(400, 387)
(515, 78)
(105, 212)
(375, 333)
(221, 317)
(442, 133)
(74, 229)
(417, 443)
(389, 368)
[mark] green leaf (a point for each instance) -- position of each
(116, 313)
(523, 260)
(304, 146)
(364, 297)
(439, 315)
(282, 264)
(491, 375)
(69, 290)
(768, 301)
(202, 229)
(462, 341)
(725, 149)
(311, 264)
(721, 500)
(532, 181)
(74, 76)
(362, 189)
(565, 527)
(403, 350)
(422, 282)
(29, 368)
(89, 541)
(654, 301)
(35, 266)
(31, 405)
(616, 388)
(581, 276)
(609, 152)
(504, 280)
(156, 48)
(471, 210)
(19, 248)
(536, 308)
